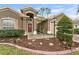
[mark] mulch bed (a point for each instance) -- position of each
(37, 44)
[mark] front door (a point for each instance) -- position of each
(29, 27)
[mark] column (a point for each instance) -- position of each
(49, 32)
(24, 25)
(35, 25)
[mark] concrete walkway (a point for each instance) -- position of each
(40, 36)
(43, 52)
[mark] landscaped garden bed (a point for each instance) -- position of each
(49, 44)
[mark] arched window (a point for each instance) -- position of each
(30, 15)
(8, 23)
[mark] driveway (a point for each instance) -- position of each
(76, 38)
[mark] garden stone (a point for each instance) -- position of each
(51, 44)
(41, 43)
(33, 40)
(29, 43)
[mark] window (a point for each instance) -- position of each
(31, 16)
(8, 23)
(30, 19)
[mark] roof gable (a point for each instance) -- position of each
(9, 9)
(30, 9)
(58, 17)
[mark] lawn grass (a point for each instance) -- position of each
(9, 50)
(76, 53)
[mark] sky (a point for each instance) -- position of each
(68, 9)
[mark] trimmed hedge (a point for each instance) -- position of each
(76, 31)
(12, 33)
(65, 31)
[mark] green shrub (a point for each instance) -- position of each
(76, 31)
(11, 33)
(65, 30)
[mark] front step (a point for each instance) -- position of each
(39, 36)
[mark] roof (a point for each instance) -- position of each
(40, 18)
(7, 8)
(30, 9)
(76, 21)
(57, 17)
(22, 15)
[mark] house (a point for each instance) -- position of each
(26, 19)
(49, 25)
(76, 23)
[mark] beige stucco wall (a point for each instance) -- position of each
(51, 24)
(10, 14)
(52, 27)
(44, 26)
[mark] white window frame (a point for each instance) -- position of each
(8, 27)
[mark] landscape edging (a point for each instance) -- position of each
(43, 52)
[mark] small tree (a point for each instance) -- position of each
(41, 12)
(65, 31)
(47, 11)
